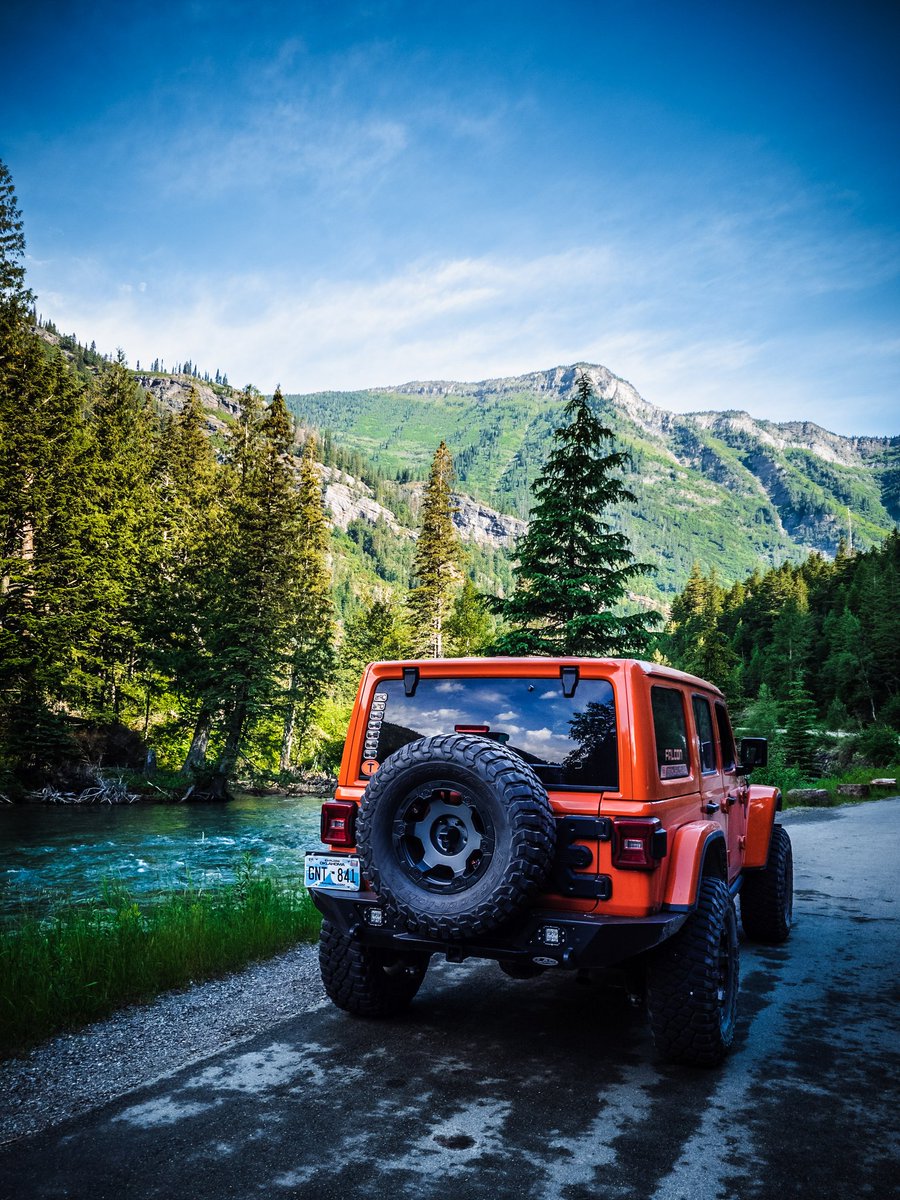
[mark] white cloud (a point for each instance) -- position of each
(480, 317)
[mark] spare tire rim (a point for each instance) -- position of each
(443, 839)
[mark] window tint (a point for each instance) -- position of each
(671, 733)
(568, 742)
(726, 739)
(703, 721)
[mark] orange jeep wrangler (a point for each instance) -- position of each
(569, 814)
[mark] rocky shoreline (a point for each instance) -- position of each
(75, 1072)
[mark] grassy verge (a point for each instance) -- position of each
(88, 959)
(789, 778)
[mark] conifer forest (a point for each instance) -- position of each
(176, 600)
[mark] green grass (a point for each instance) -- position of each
(87, 959)
(788, 778)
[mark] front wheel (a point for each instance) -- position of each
(767, 896)
(692, 984)
(368, 981)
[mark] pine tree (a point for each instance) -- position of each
(799, 715)
(46, 597)
(179, 609)
(258, 562)
(312, 632)
(13, 292)
(44, 562)
(123, 428)
(470, 627)
(574, 569)
(436, 568)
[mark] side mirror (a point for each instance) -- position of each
(754, 754)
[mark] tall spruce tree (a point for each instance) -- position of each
(436, 568)
(797, 743)
(573, 568)
(312, 627)
(44, 536)
(179, 599)
(258, 578)
(123, 428)
(13, 290)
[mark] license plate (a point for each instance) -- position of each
(332, 871)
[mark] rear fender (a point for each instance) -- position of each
(764, 803)
(698, 849)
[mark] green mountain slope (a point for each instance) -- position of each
(721, 488)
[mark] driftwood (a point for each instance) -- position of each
(104, 791)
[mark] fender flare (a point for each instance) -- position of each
(764, 803)
(698, 849)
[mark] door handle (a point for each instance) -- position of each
(729, 799)
(709, 809)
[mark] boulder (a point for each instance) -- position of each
(883, 783)
(809, 796)
(853, 789)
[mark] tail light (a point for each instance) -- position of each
(638, 843)
(338, 823)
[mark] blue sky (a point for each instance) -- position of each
(701, 196)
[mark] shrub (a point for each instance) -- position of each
(877, 745)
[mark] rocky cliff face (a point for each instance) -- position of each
(723, 488)
(349, 499)
(170, 392)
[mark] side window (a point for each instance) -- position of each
(726, 739)
(670, 728)
(703, 721)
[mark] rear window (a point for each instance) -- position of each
(569, 742)
(671, 733)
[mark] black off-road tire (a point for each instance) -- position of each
(692, 983)
(467, 802)
(368, 981)
(767, 896)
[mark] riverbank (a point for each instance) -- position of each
(85, 960)
(74, 1072)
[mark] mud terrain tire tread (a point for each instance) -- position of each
(766, 896)
(530, 835)
(688, 1023)
(366, 981)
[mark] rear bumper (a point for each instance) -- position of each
(543, 937)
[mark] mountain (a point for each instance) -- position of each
(723, 488)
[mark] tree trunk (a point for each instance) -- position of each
(287, 737)
(196, 756)
(234, 733)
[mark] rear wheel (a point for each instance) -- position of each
(692, 984)
(365, 980)
(767, 896)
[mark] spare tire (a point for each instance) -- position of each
(456, 835)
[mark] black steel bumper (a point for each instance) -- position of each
(545, 937)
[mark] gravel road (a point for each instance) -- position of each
(490, 1088)
(76, 1072)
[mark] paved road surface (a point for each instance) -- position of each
(490, 1088)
